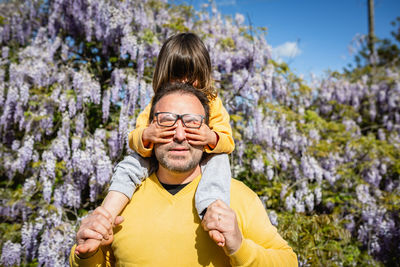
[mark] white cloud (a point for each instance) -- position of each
(286, 50)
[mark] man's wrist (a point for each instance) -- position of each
(244, 255)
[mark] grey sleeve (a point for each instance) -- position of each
(129, 173)
(215, 182)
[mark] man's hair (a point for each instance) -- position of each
(181, 88)
(184, 57)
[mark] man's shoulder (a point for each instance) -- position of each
(237, 184)
(245, 202)
(240, 190)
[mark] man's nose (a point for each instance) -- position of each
(180, 134)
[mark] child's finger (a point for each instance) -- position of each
(165, 134)
(162, 140)
(166, 128)
(197, 143)
(218, 237)
(195, 137)
(192, 130)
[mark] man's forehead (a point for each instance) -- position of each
(181, 103)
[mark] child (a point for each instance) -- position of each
(182, 58)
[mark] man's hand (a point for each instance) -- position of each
(202, 136)
(222, 218)
(95, 231)
(156, 134)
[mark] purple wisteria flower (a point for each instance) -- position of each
(257, 164)
(11, 254)
(29, 234)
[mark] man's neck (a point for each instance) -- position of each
(169, 177)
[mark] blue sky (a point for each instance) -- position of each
(315, 33)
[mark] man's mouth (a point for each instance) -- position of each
(178, 150)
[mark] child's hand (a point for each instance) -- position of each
(157, 134)
(218, 237)
(202, 136)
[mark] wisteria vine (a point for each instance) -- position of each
(75, 73)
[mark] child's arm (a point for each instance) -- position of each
(219, 123)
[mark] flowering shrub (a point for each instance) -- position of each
(324, 157)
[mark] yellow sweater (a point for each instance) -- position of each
(219, 123)
(161, 229)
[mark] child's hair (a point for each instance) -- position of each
(184, 57)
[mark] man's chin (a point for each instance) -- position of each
(178, 164)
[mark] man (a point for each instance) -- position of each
(163, 229)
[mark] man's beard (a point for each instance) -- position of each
(168, 162)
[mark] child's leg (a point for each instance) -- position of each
(215, 182)
(114, 203)
(128, 175)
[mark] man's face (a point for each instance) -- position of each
(179, 155)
